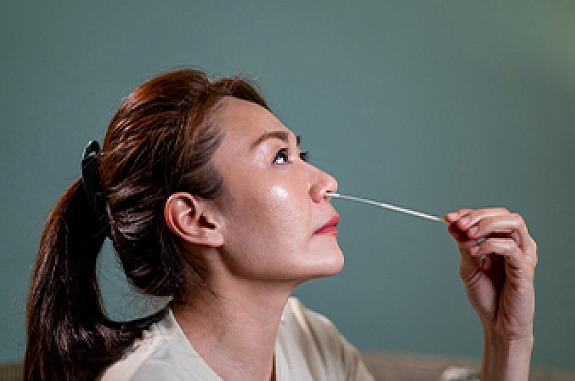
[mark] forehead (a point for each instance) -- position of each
(243, 121)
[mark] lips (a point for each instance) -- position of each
(329, 226)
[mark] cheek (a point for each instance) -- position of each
(275, 218)
(286, 209)
(282, 219)
(268, 232)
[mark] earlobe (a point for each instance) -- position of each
(188, 218)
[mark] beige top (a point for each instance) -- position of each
(308, 347)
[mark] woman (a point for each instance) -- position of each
(209, 201)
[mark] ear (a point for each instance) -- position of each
(190, 219)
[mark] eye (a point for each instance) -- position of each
(283, 154)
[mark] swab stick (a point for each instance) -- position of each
(388, 206)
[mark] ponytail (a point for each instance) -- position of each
(69, 336)
(160, 141)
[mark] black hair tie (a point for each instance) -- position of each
(92, 185)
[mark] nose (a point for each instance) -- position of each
(322, 184)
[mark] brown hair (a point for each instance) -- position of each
(160, 141)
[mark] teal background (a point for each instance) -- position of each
(432, 105)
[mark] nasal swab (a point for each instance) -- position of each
(388, 206)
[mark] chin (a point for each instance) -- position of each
(328, 265)
(337, 266)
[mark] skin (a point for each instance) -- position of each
(259, 243)
(276, 195)
(258, 240)
(500, 287)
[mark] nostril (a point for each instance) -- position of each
(323, 183)
(328, 195)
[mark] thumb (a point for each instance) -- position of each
(469, 266)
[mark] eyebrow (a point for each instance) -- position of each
(281, 135)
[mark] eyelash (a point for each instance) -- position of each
(303, 155)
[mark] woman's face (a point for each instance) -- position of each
(273, 201)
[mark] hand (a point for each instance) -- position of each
(497, 272)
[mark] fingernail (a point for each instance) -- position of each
(451, 216)
(464, 221)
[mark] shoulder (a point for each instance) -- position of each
(136, 357)
(297, 317)
(320, 342)
(313, 328)
(163, 353)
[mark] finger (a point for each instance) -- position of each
(470, 266)
(458, 234)
(475, 216)
(451, 218)
(461, 236)
(511, 225)
(455, 226)
(454, 216)
(505, 247)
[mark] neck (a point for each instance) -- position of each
(234, 329)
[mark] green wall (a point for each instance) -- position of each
(433, 105)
